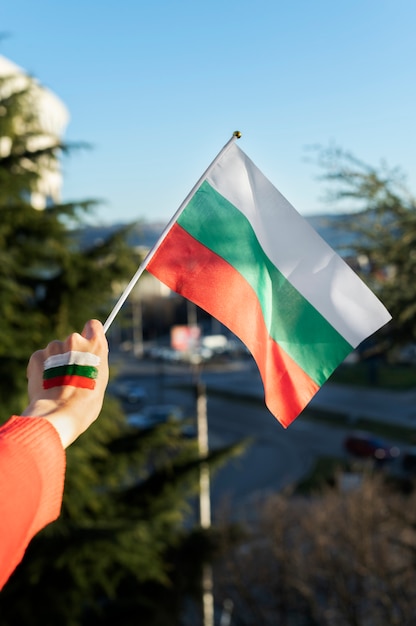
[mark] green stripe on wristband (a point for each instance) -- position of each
(88, 371)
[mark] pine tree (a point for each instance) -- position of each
(48, 286)
(112, 553)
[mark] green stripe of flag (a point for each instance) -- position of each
(290, 319)
(88, 371)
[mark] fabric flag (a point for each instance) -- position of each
(239, 250)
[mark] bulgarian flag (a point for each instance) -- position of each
(238, 249)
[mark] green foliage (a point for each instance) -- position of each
(116, 550)
(120, 544)
(389, 376)
(48, 286)
(105, 538)
(381, 212)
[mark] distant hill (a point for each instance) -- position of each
(144, 235)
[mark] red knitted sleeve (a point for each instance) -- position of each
(32, 470)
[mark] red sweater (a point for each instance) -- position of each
(32, 470)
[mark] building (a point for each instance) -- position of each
(53, 118)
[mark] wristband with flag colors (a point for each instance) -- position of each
(75, 368)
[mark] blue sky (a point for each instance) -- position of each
(158, 87)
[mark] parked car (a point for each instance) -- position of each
(154, 414)
(364, 445)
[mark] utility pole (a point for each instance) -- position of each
(204, 499)
(137, 323)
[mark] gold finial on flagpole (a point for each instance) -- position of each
(237, 134)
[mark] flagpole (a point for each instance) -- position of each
(152, 251)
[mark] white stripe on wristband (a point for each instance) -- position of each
(69, 358)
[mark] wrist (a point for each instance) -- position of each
(65, 425)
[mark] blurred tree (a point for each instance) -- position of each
(48, 285)
(337, 556)
(111, 556)
(381, 213)
(113, 551)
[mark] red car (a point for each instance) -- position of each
(363, 445)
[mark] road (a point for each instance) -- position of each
(275, 458)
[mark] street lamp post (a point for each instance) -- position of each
(204, 499)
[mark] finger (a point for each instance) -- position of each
(92, 328)
(35, 363)
(54, 347)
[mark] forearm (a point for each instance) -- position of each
(66, 386)
(32, 469)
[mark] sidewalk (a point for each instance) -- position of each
(395, 407)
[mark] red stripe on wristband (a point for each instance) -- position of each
(74, 381)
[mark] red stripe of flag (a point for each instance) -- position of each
(74, 381)
(191, 269)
